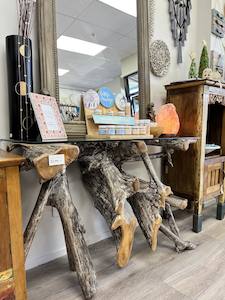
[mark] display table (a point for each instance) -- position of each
(123, 200)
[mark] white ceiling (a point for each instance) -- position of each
(94, 21)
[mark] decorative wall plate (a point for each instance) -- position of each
(107, 99)
(91, 99)
(159, 58)
(121, 102)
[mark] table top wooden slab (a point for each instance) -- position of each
(9, 159)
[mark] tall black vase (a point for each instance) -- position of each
(23, 125)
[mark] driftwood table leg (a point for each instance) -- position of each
(78, 252)
(168, 215)
(37, 213)
(69, 251)
(164, 191)
(148, 217)
(143, 211)
(110, 189)
(179, 243)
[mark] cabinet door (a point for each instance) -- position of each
(6, 272)
(213, 177)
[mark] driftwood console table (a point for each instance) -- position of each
(123, 200)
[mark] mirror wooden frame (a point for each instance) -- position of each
(46, 10)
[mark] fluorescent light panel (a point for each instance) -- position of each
(79, 46)
(129, 6)
(62, 72)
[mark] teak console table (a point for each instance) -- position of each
(12, 271)
(197, 176)
(123, 200)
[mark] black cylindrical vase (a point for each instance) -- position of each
(23, 125)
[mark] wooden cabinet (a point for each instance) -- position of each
(201, 108)
(12, 273)
(213, 177)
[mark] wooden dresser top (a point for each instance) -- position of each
(9, 159)
(194, 83)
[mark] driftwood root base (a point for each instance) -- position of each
(111, 188)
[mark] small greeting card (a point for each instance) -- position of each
(48, 118)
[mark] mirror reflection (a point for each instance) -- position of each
(97, 47)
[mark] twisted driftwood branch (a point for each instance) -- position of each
(111, 188)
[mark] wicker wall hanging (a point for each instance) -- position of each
(159, 58)
(180, 19)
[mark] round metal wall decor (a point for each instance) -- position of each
(159, 58)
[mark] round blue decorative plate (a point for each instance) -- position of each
(107, 99)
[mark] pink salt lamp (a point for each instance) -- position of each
(167, 118)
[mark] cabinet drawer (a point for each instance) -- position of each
(213, 177)
(7, 288)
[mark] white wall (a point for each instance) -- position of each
(163, 32)
(115, 85)
(7, 27)
(49, 241)
(217, 43)
(129, 65)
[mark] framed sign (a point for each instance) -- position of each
(48, 118)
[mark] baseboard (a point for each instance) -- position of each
(93, 239)
(33, 262)
(37, 261)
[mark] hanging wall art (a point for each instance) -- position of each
(159, 58)
(180, 19)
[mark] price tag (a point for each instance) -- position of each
(56, 160)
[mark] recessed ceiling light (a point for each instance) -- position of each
(79, 46)
(62, 72)
(129, 7)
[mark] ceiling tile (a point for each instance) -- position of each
(107, 17)
(92, 33)
(72, 8)
(62, 23)
(133, 33)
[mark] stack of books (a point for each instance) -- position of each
(75, 129)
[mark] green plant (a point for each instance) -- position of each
(193, 67)
(204, 60)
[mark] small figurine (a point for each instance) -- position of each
(151, 112)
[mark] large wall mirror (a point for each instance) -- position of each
(88, 44)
